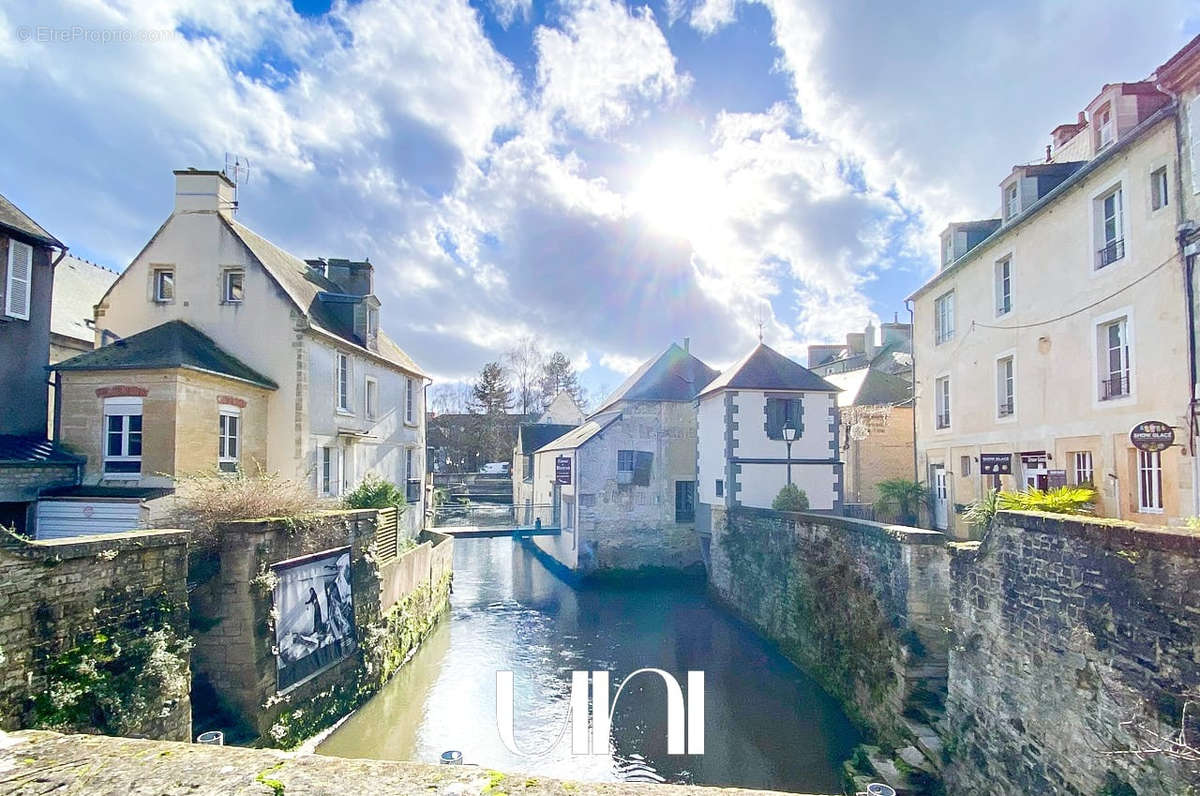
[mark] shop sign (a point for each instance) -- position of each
(995, 463)
(1152, 436)
(562, 469)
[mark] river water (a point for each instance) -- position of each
(766, 724)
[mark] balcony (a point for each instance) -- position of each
(1006, 408)
(1116, 386)
(942, 420)
(1111, 253)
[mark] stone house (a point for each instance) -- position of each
(322, 393)
(744, 417)
(29, 461)
(623, 484)
(1040, 347)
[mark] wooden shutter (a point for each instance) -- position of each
(20, 279)
(775, 412)
(641, 467)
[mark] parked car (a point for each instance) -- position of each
(496, 468)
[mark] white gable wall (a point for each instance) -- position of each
(711, 447)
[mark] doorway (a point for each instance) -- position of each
(941, 497)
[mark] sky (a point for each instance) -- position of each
(605, 176)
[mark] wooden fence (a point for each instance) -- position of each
(387, 534)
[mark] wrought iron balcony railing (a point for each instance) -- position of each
(1115, 386)
(943, 420)
(1111, 253)
(1006, 408)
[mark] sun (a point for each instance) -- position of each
(679, 194)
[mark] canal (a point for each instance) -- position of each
(767, 725)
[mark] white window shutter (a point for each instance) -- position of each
(20, 279)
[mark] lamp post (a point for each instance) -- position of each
(789, 436)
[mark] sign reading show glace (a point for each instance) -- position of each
(1152, 436)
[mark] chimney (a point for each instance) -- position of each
(855, 343)
(354, 278)
(869, 339)
(687, 344)
(204, 192)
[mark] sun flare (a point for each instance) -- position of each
(678, 194)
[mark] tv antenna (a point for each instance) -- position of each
(237, 169)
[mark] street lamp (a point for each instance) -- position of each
(789, 436)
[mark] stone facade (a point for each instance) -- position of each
(20, 483)
(59, 595)
(886, 453)
(1065, 629)
(234, 619)
(180, 410)
(861, 606)
(610, 525)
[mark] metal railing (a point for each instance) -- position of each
(1006, 408)
(943, 420)
(1114, 387)
(859, 511)
(485, 515)
(1111, 253)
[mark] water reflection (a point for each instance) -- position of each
(766, 724)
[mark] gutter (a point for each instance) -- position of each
(1037, 207)
(912, 325)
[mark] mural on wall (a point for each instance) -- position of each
(314, 624)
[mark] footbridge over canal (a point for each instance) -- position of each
(485, 521)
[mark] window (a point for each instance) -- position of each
(1150, 499)
(1114, 360)
(372, 324)
(371, 398)
(685, 501)
(633, 467)
(122, 437)
(1012, 204)
(1004, 387)
(948, 249)
(782, 413)
(1112, 241)
(327, 481)
(964, 465)
(164, 285)
(20, 280)
(409, 402)
(943, 318)
(231, 291)
(1004, 286)
(720, 487)
(1083, 467)
(411, 476)
(227, 439)
(1158, 189)
(343, 382)
(941, 400)
(1104, 128)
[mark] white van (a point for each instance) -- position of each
(496, 468)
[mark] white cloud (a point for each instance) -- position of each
(618, 363)
(603, 63)
(509, 11)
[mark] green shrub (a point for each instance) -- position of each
(375, 493)
(902, 498)
(1060, 500)
(790, 498)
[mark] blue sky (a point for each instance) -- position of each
(607, 176)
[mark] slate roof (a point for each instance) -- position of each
(674, 375)
(304, 285)
(78, 287)
(15, 449)
(535, 435)
(581, 434)
(173, 344)
(764, 368)
(12, 218)
(870, 387)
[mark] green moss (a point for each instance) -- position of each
(495, 779)
(275, 785)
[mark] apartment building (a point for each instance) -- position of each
(1050, 332)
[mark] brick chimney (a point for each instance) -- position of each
(204, 192)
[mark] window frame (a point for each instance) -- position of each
(10, 308)
(689, 494)
(1003, 279)
(410, 401)
(225, 436)
(943, 318)
(1104, 127)
(1006, 386)
(342, 377)
(157, 282)
(941, 401)
(1109, 251)
(1012, 201)
(1081, 462)
(1103, 357)
(125, 408)
(1150, 482)
(327, 478)
(370, 398)
(226, 283)
(1160, 189)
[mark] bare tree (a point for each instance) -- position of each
(524, 362)
(450, 398)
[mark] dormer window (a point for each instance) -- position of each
(1104, 128)
(232, 287)
(372, 324)
(164, 285)
(1012, 202)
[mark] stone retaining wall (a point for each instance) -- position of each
(861, 606)
(88, 604)
(1065, 629)
(395, 605)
